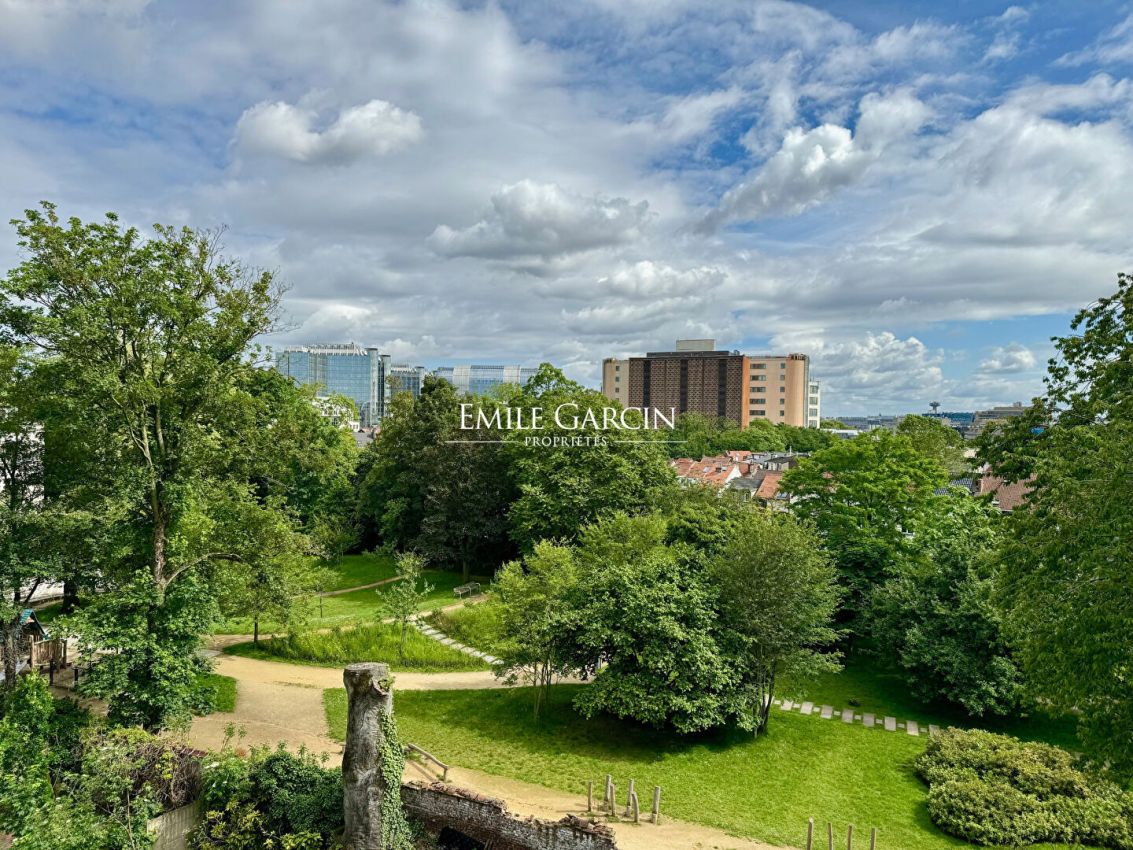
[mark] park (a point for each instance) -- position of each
(882, 660)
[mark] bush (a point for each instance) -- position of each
(993, 789)
(275, 799)
(296, 794)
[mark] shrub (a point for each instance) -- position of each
(296, 794)
(993, 789)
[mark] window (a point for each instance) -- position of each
(758, 365)
(782, 365)
(617, 379)
(758, 411)
(759, 377)
(617, 367)
(759, 389)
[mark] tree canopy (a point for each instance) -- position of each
(1065, 581)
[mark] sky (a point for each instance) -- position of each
(917, 195)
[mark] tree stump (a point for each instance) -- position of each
(364, 786)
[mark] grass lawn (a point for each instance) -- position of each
(764, 789)
(357, 606)
(475, 624)
(223, 691)
(357, 570)
(877, 690)
(374, 642)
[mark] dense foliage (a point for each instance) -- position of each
(992, 789)
(672, 634)
(432, 486)
(274, 799)
(865, 496)
(936, 616)
(161, 425)
(65, 783)
(1065, 582)
(697, 435)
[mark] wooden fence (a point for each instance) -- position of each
(810, 839)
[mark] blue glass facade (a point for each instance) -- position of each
(350, 370)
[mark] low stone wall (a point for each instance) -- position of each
(488, 821)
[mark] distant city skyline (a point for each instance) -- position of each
(917, 195)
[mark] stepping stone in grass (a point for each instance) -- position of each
(847, 715)
(890, 724)
(912, 728)
(491, 659)
(827, 712)
(867, 720)
(807, 708)
(933, 730)
(447, 641)
(787, 705)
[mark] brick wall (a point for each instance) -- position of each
(488, 821)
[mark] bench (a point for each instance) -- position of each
(470, 589)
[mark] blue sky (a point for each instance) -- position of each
(919, 195)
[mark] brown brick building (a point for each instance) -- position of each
(724, 384)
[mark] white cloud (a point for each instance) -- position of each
(1113, 47)
(529, 219)
(1008, 359)
(812, 165)
(370, 129)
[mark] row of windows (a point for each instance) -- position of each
(764, 365)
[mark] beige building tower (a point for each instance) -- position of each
(696, 377)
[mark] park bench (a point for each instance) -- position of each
(470, 589)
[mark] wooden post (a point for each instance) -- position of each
(589, 795)
(656, 804)
(850, 837)
(810, 834)
(606, 791)
(368, 697)
(635, 810)
(829, 835)
(629, 796)
(51, 671)
(873, 838)
(613, 799)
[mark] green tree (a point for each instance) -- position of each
(274, 574)
(561, 489)
(778, 593)
(402, 599)
(937, 441)
(391, 494)
(865, 496)
(147, 339)
(937, 618)
(536, 617)
(647, 630)
(1064, 579)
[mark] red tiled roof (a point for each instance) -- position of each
(1009, 495)
(769, 486)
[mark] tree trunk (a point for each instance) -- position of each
(368, 696)
(256, 630)
(70, 595)
(11, 647)
(465, 571)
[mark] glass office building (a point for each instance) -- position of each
(479, 380)
(358, 373)
(404, 378)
